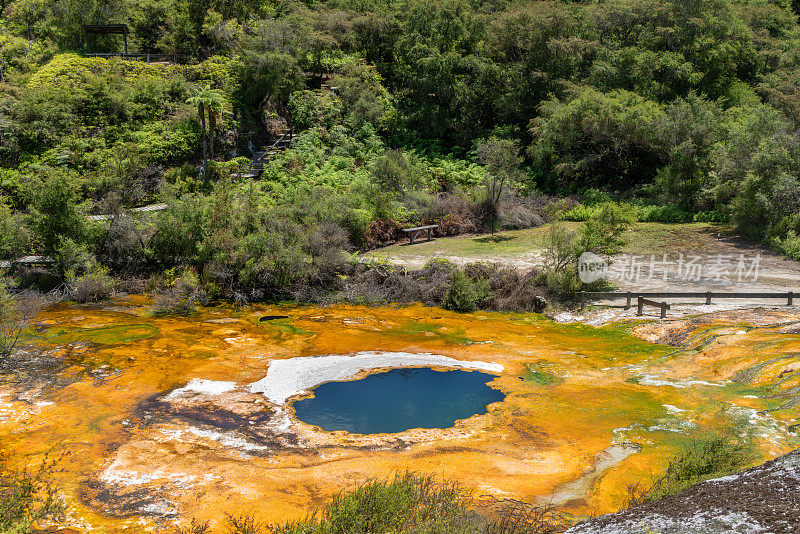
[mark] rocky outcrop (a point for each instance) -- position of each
(760, 500)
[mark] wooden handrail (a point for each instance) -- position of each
(707, 295)
(147, 57)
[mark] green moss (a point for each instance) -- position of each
(283, 329)
(535, 375)
(104, 335)
(449, 334)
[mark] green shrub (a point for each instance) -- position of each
(71, 257)
(356, 222)
(55, 213)
(564, 282)
(595, 196)
(789, 244)
(403, 504)
(703, 457)
(602, 233)
(177, 294)
(712, 216)
(28, 496)
(95, 284)
(15, 237)
(579, 213)
(663, 214)
(181, 230)
(464, 295)
(412, 504)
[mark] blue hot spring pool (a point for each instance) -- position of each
(398, 400)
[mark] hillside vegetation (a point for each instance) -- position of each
(472, 115)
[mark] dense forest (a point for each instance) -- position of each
(474, 115)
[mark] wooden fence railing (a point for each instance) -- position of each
(707, 295)
(148, 58)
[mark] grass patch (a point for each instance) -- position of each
(659, 238)
(644, 238)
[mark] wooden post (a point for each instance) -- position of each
(628, 301)
(663, 310)
(583, 299)
(708, 297)
(641, 306)
(791, 298)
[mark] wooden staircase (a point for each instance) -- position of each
(265, 154)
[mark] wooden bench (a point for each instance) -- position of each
(415, 233)
(642, 301)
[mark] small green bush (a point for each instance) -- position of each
(28, 496)
(95, 284)
(405, 503)
(703, 457)
(663, 214)
(564, 282)
(412, 504)
(789, 245)
(177, 294)
(603, 232)
(579, 213)
(464, 295)
(712, 216)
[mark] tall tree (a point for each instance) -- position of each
(502, 161)
(210, 103)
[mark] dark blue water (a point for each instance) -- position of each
(398, 400)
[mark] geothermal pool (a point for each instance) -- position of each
(156, 420)
(398, 400)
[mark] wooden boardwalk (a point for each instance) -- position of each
(144, 209)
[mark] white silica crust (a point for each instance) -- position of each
(287, 378)
(200, 385)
